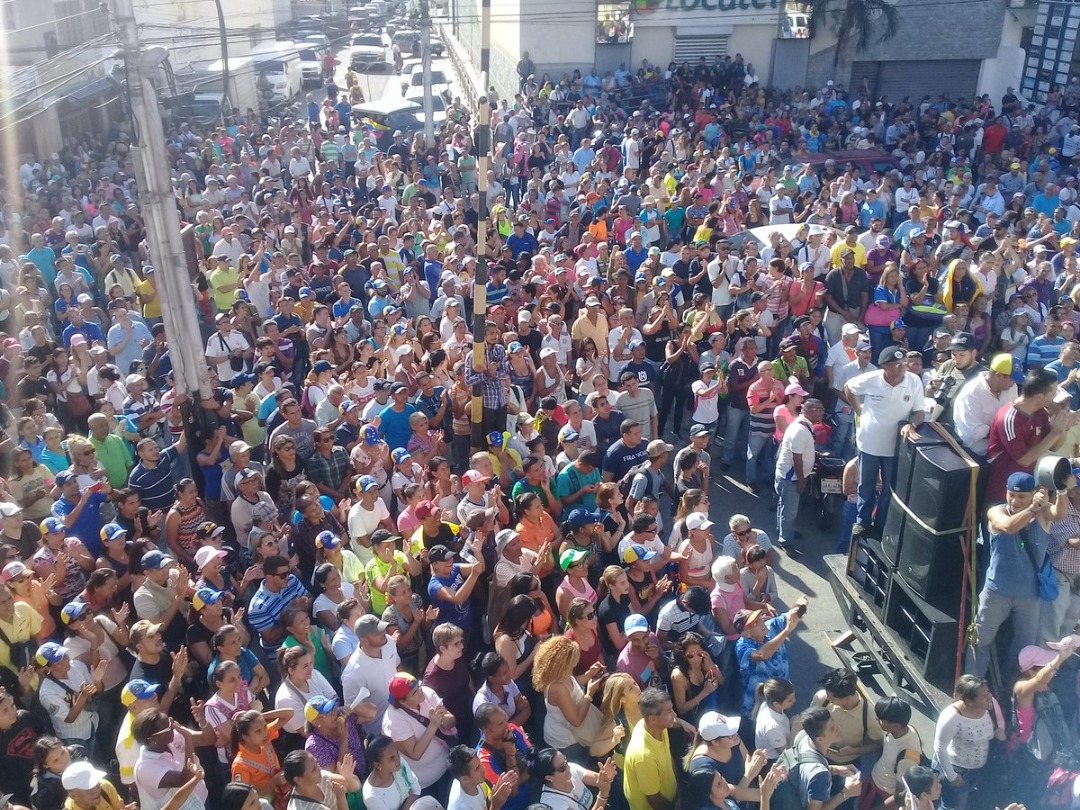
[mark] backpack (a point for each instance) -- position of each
(788, 793)
(307, 410)
(628, 478)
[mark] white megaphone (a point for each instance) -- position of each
(1052, 472)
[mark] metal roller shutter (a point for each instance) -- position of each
(952, 78)
(690, 49)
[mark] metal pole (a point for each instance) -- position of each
(483, 148)
(225, 77)
(158, 203)
(425, 56)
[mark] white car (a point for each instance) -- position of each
(438, 104)
(311, 63)
(440, 82)
(367, 51)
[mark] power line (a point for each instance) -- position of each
(57, 82)
(13, 31)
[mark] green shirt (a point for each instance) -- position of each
(322, 663)
(378, 568)
(115, 457)
(799, 369)
(523, 486)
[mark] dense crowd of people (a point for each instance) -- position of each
(325, 596)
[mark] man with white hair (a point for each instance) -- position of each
(328, 413)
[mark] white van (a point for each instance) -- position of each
(279, 63)
(311, 56)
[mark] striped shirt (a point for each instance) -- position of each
(155, 486)
(57, 701)
(267, 606)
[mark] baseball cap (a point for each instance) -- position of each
(963, 342)
(572, 556)
(635, 623)
(156, 560)
(366, 483)
(81, 776)
(1033, 656)
(15, 568)
(73, 611)
(440, 553)
(425, 509)
(371, 435)
(634, 552)
(890, 355)
(137, 689)
(583, 517)
(849, 329)
(699, 430)
(63, 477)
(9, 509)
(204, 597)
(898, 324)
(319, 705)
(400, 454)
(794, 388)
(1020, 482)
(327, 540)
(713, 726)
(112, 531)
(369, 623)
(495, 438)
(698, 520)
(1005, 364)
(402, 685)
(474, 477)
(744, 618)
(208, 529)
(657, 447)
(50, 652)
(550, 352)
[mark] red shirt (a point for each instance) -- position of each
(1012, 433)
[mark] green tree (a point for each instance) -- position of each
(857, 23)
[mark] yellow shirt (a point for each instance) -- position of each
(24, 626)
(857, 249)
(850, 723)
(378, 568)
(598, 331)
(223, 282)
(151, 300)
(109, 800)
(649, 768)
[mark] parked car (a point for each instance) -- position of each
(388, 115)
(311, 63)
(368, 51)
(440, 81)
(438, 105)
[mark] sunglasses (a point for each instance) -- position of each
(743, 533)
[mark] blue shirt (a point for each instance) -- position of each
(87, 526)
(1044, 350)
(89, 330)
(155, 486)
(636, 258)
(619, 458)
(526, 243)
(133, 350)
(394, 426)
(266, 606)
(448, 611)
(755, 672)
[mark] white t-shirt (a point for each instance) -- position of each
(220, 347)
(771, 731)
(706, 409)
(890, 765)
(394, 795)
(401, 725)
(580, 796)
(798, 438)
(368, 679)
(884, 408)
(460, 800)
(362, 523)
(290, 696)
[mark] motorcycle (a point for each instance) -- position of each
(826, 489)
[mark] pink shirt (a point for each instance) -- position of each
(730, 602)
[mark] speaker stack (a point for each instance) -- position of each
(920, 558)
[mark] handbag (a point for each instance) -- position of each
(1048, 584)
(21, 652)
(876, 316)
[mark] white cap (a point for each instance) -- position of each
(81, 776)
(698, 520)
(713, 726)
(548, 352)
(850, 329)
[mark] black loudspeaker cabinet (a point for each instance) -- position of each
(928, 635)
(932, 564)
(928, 436)
(940, 487)
(871, 572)
(892, 535)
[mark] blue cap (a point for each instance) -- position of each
(898, 324)
(242, 378)
(73, 611)
(112, 531)
(319, 705)
(156, 560)
(583, 517)
(366, 483)
(371, 435)
(495, 438)
(917, 232)
(64, 476)
(400, 454)
(635, 623)
(327, 540)
(242, 295)
(137, 689)
(50, 653)
(307, 292)
(1020, 482)
(347, 405)
(204, 597)
(321, 366)
(52, 525)
(635, 344)
(401, 328)
(514, 346)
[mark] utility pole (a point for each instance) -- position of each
(226, 107)
(482, 142)
(425, 57)
(192, 377)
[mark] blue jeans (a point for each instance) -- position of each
(869, 467)
(840, 441)
(760, 457)
(738, 422)
(847, 520)
(787, 508)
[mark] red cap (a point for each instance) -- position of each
(426, 509)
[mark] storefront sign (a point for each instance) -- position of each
(644, 7)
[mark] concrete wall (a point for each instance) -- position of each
(506, 36)
(927, 32)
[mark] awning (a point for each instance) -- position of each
(91, 91)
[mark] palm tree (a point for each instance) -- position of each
(858, 23)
